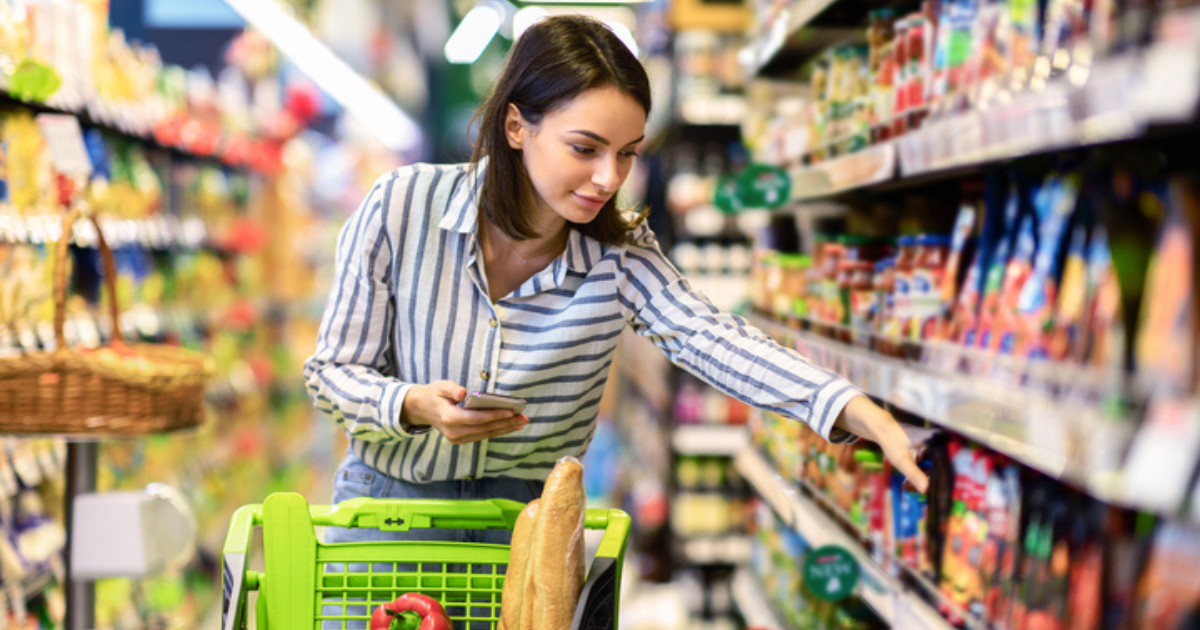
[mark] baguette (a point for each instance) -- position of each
(516, 580)
(556, 564)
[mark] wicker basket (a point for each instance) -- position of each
(118, 389)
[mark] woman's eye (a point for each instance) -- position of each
(582, 150)
(629, 155)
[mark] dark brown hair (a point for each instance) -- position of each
(551, 63)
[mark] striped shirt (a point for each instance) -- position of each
(409, 305)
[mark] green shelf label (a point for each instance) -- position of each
(830, 573)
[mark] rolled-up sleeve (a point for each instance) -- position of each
(724, 350)
(349, 375)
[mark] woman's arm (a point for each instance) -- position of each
(349, 376)
(743, 362)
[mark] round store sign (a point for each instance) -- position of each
(830, 573)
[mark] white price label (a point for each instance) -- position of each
(1163, 454)
(65, 142)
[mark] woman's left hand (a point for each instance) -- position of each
(870, 422)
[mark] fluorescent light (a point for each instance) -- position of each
(474, 33)
(395, 129)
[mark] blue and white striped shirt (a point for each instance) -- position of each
(410, 305)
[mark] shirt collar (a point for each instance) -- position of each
(462, 215)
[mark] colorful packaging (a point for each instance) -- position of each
(962, 578)
(1054, 204)
(1002, 507)
(1166, 340)
(1169, 590)
(1001, 333)
(955, 263)
(898, 327)
(928, 275)
(1064, 341)
(1105, 329)
(1085, 602)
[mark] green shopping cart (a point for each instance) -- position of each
(309, 584)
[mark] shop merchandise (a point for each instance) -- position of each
(1013, 549)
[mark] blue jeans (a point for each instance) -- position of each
(354, 478)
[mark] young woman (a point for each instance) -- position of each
(515, 274)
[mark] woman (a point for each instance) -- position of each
(515, 274)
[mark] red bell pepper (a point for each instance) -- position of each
(411, 611)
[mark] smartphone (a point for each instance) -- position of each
(482, 400)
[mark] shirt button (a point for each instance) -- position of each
(484, 375)
(493, 323)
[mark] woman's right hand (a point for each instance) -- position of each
(436, 405)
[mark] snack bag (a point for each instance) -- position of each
(1170, 586)
(1072, 298)
(1166, 341)
(1054, 205)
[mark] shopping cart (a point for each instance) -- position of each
(309, 584)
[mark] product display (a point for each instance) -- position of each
(982, 214)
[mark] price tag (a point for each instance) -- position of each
(26, 465)
(65, 142)
(1163, 455)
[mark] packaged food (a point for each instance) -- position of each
(1169, 590)
(1002, 509)
(1166, 341)
(896, 329)
(1054, 205)
(928, 275)
(1001, 334)
(795, 286)
(1064, 341)
(862, 302)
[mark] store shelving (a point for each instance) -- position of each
(800, 30)
(709, 439)
(1122, 98)
(751, 601)
(1074, 434)
(894, 602)
(1133, 95)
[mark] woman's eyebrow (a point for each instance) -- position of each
(601, 139)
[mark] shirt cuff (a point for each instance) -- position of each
(390, 405)
(827, 404)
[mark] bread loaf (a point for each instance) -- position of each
(556, 565)
(516, 580)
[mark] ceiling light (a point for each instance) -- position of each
(395, 129)
(474, 33)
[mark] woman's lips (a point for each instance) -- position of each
(591, 203)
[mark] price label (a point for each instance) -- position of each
(65, 142)
(830, 573)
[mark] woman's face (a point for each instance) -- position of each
(580, 154)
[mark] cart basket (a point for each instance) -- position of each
(309, 584)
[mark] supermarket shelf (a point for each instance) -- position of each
(873, 165)
(709, 550)
(896, 604)
(709, 439)
(802, 30)
(1132, 96)
(131, 123)
(1076, 426)
(750, 598)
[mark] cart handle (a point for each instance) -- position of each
(405, 514)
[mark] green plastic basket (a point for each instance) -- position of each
(309, 584)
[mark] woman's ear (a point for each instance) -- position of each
(515, 127)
